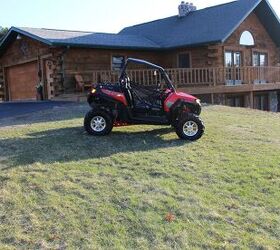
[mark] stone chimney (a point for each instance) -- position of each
(186, 8)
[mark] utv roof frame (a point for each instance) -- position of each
(151, 65)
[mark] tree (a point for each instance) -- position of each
(3, 32)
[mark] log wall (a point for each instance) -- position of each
(25, 50)
(58, 64)
(263, 42)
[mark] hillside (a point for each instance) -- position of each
(141, 187)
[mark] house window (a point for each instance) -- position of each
(261, 102)
(233, 64)
(117, 62)
(247, 39)
(232, 58)
(235, 101)
(259, 59)
(184, 60)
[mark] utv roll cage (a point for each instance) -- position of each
(131, 102)
(165, 76)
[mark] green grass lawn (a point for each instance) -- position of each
(62, 189)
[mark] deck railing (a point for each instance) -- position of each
(194, 76)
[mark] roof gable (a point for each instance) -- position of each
(270, 20)
(210, 25)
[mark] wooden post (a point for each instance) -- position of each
(179, 76)
(249, 75)
(214, 77)
(251, 99)
(212, 98)
(6, 85)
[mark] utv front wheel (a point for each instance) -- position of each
(190, 127)
(98, 123)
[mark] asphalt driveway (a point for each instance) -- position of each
(8, 110)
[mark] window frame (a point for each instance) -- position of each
(248, 45)
(184, 53)
(112, 58)
(233, 53)
(235, 99)
(261, 102)
(259, 53)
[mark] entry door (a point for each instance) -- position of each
(22, 80)
(233, 64)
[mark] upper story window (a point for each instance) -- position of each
(233, 59)
(247, 39)
(117, 62)
(184, 60)
(260, 59)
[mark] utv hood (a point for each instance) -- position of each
(186, 97)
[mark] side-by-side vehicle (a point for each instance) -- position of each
(128, 102)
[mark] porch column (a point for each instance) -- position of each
(251, 99)
(247, 101)
(212, 99)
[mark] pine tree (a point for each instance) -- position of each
(3, 32)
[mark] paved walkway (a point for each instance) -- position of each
(21, 108)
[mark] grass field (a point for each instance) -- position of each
(140, 187)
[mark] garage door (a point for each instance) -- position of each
(22, 80)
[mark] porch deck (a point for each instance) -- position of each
(197, 81)
(200, 80)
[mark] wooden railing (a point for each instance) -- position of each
(252, 75)
(193, 76)
(147, 77)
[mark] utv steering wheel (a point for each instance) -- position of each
(159, 88)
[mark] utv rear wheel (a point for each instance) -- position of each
(98, 122)
(190, 127)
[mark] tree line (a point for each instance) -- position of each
(3, 32)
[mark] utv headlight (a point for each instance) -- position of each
(93, 91)
(198, 101)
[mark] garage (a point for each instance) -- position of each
(22, 80)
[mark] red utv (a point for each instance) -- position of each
(128, 102)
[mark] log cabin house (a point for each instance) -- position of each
(226, 54)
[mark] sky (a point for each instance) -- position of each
(108, 16)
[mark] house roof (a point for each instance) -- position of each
(81, 38)
(210, 25)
